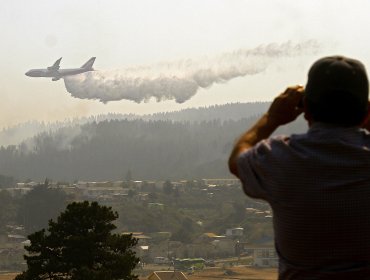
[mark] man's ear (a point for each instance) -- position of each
(306, 113)
(366, 122)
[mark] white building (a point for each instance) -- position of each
(264, 256)
(234, 232)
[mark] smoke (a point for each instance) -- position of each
(180, 80)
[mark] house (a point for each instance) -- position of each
(18, 191)
(264, 256)
(180, 186)
(137, 184)
(234, 232)
(221, 182)
(208, 237)
(142, 252)
(210, 244)
(167, 275)
(197, 250)
(158, 206)
(224, 247)
(142, 239)
(16, 238)
(100, 190)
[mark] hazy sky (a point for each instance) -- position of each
(124, 34)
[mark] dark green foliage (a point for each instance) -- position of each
(40, 205)
(80, 245)
(128, 176)
(187, 231)
(152, 150)
(137, 217)
(131, 193)
(239, 213)
(167, 187)
(8, 206)
(192, 213)
(6, 181)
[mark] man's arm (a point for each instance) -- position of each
(284, 109)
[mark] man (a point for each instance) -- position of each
(317, 183)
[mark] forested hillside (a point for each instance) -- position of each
(234, 111)
(14, 135)
(108, 149)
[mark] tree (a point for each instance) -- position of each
(167, 187)
(186, 231)
(128, 176)
(80, 245)
(8, 206)
(131, 193)
(40, 205)
(6, 181)
(239, 211)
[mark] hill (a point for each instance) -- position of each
(151, 149)
(14, 135)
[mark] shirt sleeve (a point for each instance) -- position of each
(253, 166)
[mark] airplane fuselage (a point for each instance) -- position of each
(56, 73)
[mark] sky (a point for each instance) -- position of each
(127, 34)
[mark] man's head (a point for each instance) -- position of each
(337, 91)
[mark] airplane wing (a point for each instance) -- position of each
(55, 66)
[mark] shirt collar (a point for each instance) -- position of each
(322, 129)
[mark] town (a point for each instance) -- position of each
(209, 221)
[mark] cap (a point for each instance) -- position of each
(335, 75)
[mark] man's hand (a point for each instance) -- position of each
(284, 109)
(287, 106)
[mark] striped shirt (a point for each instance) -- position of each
(318, 186)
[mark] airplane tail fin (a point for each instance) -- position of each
(55, 66)
(89, 63)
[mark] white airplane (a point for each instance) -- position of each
(55, 73)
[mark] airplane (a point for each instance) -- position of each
(55, 73)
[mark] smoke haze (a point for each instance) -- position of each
(180, 80)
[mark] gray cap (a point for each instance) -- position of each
(337, 74)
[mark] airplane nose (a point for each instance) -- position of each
(27, 73)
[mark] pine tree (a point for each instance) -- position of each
(80, 245)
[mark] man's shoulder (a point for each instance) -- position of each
(283, 140)
(274, 146)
